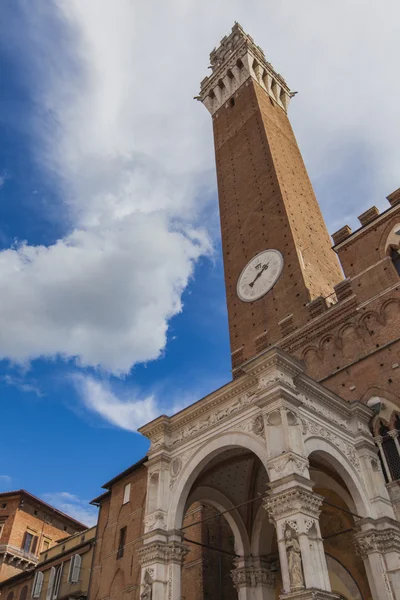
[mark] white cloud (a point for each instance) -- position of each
(73, 506)
(129, 410)
(30, 387)
(131, 150)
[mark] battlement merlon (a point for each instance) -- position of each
(236, 60)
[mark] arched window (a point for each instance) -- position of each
(24, 593)
(395, 256)
(391, 452)
(10, 596)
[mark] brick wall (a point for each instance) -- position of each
(119, 577)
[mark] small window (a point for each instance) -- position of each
(127, 493)
(4, 505)
(37, 584)
(29, 543)
(10, 596)
(74, 568)
(57, 581)
(121, 545)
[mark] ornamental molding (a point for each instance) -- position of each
(156, 520)
(252, 577)
(254, 425)
(291, 502)
(280, 463)
(381, 541)
(314, 429)
(162, 552)
(322, 401)
(177, 465)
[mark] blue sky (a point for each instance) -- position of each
(112, 307)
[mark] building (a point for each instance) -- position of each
(29, 526)
(285, 482)
(62, 571)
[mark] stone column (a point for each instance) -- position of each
(253, 581)
(161, 558)
(294, 509)
(378, 543)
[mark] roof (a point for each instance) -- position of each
(97, 501)
(129, 470)
(80, 526)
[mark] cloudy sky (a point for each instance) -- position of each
(112, 300)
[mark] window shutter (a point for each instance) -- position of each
(71, 569)
(24, 540)
(34, 544)
(37, 584)
(57, 581)
(76, 569)
(127, 493)
(49, 592)
(34, 585)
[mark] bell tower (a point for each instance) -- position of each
(266, 201)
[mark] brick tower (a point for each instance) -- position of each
(266, 201)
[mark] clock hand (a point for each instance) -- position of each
(264, 268)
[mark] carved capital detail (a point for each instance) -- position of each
(252, 577)
(291, 502)
(162, 552)
(380, 541)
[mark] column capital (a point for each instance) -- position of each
(381, 541)
(393, 433)
(292, 501)
(162, 552)
(252, 577)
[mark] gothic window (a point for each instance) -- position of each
(395, 256)
(24, 593)
(391, 453)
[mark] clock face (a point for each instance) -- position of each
(259, 275)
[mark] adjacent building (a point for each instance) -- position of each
(62, 572)
(29, 526)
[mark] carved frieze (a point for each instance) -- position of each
(311, 428)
